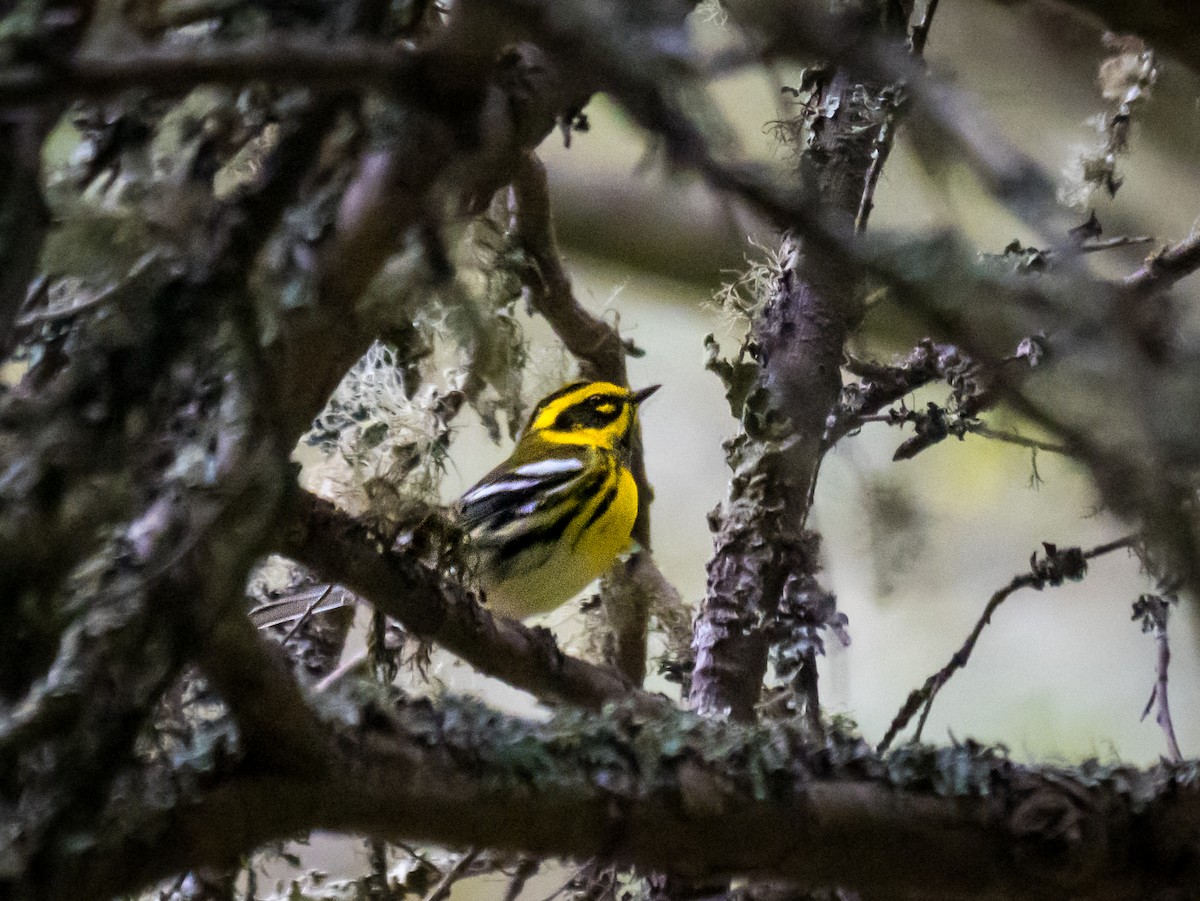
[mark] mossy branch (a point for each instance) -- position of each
(678, 794)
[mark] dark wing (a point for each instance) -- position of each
(518, 513)
(517, 490)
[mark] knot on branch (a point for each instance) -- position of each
(1057, 832)
(1057, 566)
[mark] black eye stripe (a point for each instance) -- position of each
(591, 413)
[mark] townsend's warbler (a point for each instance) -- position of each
(558, 511)
(546, 521)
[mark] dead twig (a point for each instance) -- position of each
(1110, 243)
(306, 615)
(887, 130)
(986, 431)
(1153, 610)
(441, 891)
(1057, 566)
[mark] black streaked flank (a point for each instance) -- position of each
(610, 495)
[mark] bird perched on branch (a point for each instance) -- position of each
(550, 518)
(558, 511)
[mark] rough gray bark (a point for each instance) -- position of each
(697, 797)
(797, 340)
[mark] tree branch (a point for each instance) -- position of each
(308, 61)
(432, 606)
(590, 339)
(1163, 269)
(692, 798)
(761, 546)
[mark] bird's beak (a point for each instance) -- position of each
(639, 396)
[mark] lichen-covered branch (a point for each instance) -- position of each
(681, 795)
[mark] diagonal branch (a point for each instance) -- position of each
(429, 604)
(1163, 269)
(592, 340)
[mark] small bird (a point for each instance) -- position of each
(546, 521)
(558, 511)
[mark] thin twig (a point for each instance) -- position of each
(441, 891)
(356, 662)
(986, 431)
(962, 426)
(1093, 246)
(887, 130)
(1154, 611)
(1057, 565)
(879, 155)
(306, 615)
(526, 867)
(1159, 695)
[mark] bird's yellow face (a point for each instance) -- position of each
(599, 414)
